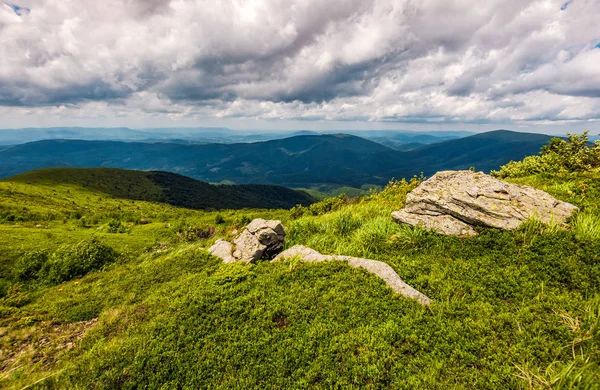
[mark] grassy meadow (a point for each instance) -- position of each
(102, 292)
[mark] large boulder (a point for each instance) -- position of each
(453, 202)
(378, 268)
(260, 239)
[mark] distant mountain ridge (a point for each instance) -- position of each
(207, 135)
(294, 162)
(170, 188)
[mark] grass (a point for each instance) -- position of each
(45, 216)
(324, 191)
(516, 309)
(587, 227)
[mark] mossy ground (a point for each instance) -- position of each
(514, 309)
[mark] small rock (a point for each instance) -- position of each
(260, 239)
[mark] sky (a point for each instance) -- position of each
(302, 64)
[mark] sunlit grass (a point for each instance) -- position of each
(586, 226)
(511, 309)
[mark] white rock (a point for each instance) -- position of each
(222, 249)
(453, 202)
(378, 268)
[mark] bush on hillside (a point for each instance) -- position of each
(560, 156)
(23, 214)
(28, 266)
(72, 261)
(243, 221)
(68, 262)
(193, 233)
(320, 208)
(116, 226)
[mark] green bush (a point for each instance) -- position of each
(68, 262)
(298, 211)
(560, 156)
(72, 261)
(323, 207)
(116, 226)
(243, 221)
(219, 219)
(28, 266)
(394, 193)
(193, 233)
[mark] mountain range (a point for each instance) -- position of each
(300, 161)
(207, 135)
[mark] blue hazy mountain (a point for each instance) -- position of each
(295, 161)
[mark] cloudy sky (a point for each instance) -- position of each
(301, 64)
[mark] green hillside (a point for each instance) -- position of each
(166, 187)
(105, 292)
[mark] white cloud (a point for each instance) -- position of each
(438, 61)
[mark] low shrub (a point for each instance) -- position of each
(115, 226)
(28, 266)
(193, 233)
(4, 287)
(243, 221)
(68, 262)
(219, 219)
(560, 156)
(323, 207)
(72, 261)
(394, 193)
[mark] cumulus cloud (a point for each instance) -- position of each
(440, 61)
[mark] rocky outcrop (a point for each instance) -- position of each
(264, 239)
(260, 239)
(453, 202)
(379, 268)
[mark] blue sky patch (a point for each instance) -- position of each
(18, 9)
(565, 5)
(598, 46)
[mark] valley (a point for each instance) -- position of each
(304, 161)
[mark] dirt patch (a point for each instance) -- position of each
(41, 343)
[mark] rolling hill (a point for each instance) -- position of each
(83, 306)
(166, 187)
(300, 161)
(103, 285)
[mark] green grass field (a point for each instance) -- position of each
(516, 309)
